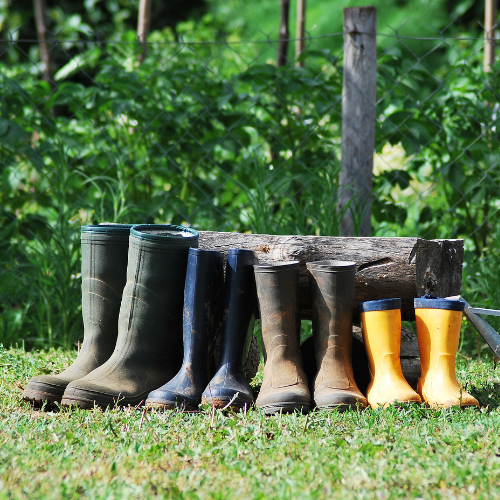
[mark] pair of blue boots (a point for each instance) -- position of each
(203, 305)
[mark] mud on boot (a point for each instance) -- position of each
(332, 301)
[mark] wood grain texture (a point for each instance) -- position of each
(358, 118)
(386, 267)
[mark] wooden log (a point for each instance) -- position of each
(386, 267)
(358, 119)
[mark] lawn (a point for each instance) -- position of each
(413, 452)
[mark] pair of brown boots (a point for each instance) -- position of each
(285, 386)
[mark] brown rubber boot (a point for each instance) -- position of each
(332, 301)
(284, 388)
(148, 350)
(104, 273)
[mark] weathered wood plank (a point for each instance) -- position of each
(386, 267)
(358, 117)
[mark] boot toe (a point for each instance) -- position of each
(393, 397)
(47, 389)
(468, 400)
(441, 401)
(228, 387)
(220, 397)
(87, 395)
(284, 400)
(170, 400)
(340, 399)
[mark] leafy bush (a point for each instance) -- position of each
(201, 134)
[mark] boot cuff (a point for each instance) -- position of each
(112, 229)
(166, 233)
(333, 266)
(379, 305)
(292, 265)
(450, 305)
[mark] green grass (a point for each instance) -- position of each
(409, 453)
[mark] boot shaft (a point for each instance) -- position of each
(381, 322)
(105, 253)
(240, 304)
(203, 293)
(438, 330)
(153, 295)
(277, 290)
(332, 299)
(104, 273)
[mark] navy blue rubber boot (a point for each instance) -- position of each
(202, 306)
(229, 387)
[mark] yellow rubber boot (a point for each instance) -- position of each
(381, 322)
(438, 332)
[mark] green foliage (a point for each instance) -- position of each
(175, 139)
(206, 134)
(447, 127)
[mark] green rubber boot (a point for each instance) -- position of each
(148, 350)
(104, 273)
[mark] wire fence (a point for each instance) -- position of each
(211, 133)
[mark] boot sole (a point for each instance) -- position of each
(101, 401)
(221, 404)
(342, 408)
(169, 406)
(285, 408)
(39, 398)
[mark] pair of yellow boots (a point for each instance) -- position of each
(438, 332)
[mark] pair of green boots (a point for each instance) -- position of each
(132, 298)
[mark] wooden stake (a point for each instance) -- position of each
(358, 119)
(41, 30)
(490, 22)
(284, 34)
(300, 31)
(144, 26)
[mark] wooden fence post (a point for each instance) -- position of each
(490, 22)
(300, 31)
(41, 30)
(358, 119)
(144, 26)
(284, 34)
